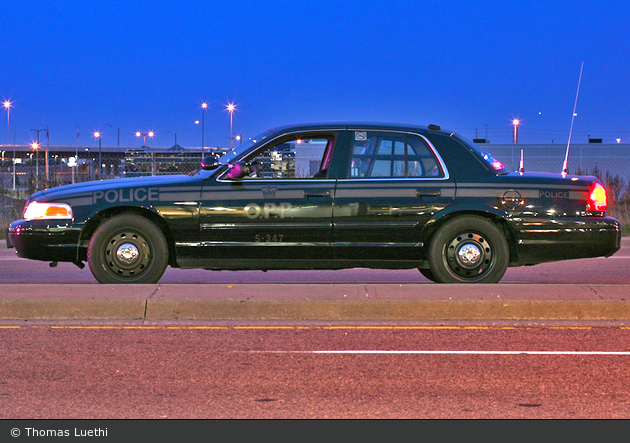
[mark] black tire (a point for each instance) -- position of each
(128, 248)
(469, 249)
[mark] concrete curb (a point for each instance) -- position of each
(315, 302)
(389, 310)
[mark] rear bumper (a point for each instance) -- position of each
(567, 238)
(44, 240)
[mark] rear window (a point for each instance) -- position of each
(392, 155)
(481, 154)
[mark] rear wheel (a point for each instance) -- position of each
(128, 249)
(469, 249)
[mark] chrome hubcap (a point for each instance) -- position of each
(469, 255)
(127, 253)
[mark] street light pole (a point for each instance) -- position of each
(231, 108)
(515, 122)
(37, 146)
(47, 149)
(118, 143)
(97, 134)
(7, 106)
(204, 105)
(144, 135)
(175, 133)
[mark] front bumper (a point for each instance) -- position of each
(8, 239)
(567, 238)
(45, 240)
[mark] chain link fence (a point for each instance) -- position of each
(549, 158)
(30, 173)
(40, 173)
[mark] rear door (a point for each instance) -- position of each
(393, 184)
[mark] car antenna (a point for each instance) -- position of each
(566, 155)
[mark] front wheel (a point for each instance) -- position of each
(128, 249)
(427, 273)
(469, 249)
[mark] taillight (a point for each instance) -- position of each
(597, 199)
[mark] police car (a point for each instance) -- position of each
(325, 196)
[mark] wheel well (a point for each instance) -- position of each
(432, 228)
(94, 222)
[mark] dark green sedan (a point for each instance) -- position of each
(325, 196)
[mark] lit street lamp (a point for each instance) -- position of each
(97, 134)
(230, 109)
(516, 122)
(204, 106)
(35, 146)
(145, 135)
(7, 106)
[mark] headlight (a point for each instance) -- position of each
(47, 211)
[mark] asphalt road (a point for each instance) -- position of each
(311, 372)
(611, 270)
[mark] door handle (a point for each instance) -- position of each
(316, 194)
(428, 193)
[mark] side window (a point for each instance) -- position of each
(383, 154)
(294, 158)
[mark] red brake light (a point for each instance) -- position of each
(597, 199)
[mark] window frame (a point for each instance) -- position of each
(437, 157)
(331, 135)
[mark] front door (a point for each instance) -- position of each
(278, 216)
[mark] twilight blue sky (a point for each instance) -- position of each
(469, 66)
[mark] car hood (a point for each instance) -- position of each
(115, 183)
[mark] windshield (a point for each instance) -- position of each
(481, 154)
(238, 151)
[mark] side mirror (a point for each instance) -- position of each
(238, 170)
(209, 163)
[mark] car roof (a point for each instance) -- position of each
(349, 125)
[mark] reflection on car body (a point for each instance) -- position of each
(325, 196)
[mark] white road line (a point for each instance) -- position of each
(624, 353)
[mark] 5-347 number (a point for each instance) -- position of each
(268, 238)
